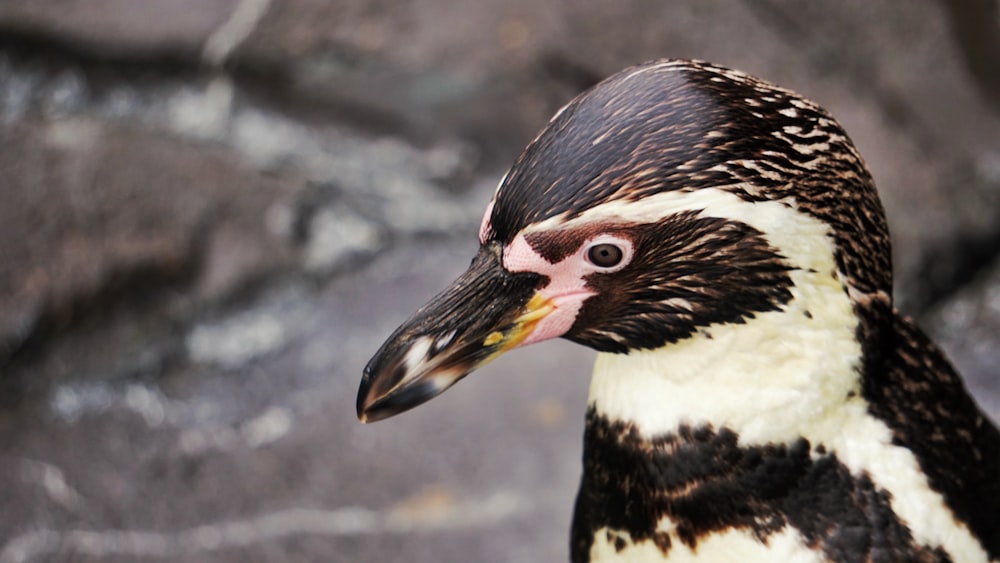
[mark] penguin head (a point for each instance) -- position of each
(669, 198)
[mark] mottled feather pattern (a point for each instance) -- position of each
(703, 482)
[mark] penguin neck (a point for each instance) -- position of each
(783, 382)
(779, 376)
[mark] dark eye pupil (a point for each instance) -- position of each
(604, 255)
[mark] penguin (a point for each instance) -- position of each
(756, 396)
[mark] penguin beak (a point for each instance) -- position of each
(485, 312)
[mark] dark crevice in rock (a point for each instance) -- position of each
(55, 51)
(276, 84)
(161, 292)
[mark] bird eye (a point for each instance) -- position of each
(605, 255)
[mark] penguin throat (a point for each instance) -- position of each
(772, 379)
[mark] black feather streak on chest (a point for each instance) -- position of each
(910, 385)
(706, 483)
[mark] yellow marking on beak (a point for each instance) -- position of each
(535, 310)
(493, 338)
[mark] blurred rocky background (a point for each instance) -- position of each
(213, 211)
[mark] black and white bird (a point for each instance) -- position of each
(756, 396)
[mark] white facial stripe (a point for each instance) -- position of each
(779, 376)
(789, 231)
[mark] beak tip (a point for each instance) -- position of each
(367, 414)
(371, 406)
(376, 412)
(479, 316)
(364, 402)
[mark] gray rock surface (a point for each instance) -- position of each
(214, 212)
(120, 28)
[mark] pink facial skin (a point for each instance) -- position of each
(567, 288)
